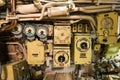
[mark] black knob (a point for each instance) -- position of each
(105, 40)
(84, 45)
(61, 58)
(29, 31)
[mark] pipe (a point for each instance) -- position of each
(90, 9)
(29, 17)
(95, 1)
(14, 22)
(25, 9)
(95, 9)
(23, 49)
(75, 17)
(11, 26)
(52, 4)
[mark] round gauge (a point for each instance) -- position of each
(42, 32)
(18, 29)
(83, 44)
(29, 30)
(107, 23)
(61, 57)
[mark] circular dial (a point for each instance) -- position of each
(18, 29)
(61, 57)
(83, 44)
(107, 23)
(29, 30)
(42, 32)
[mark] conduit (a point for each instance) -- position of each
(73, 17)
(17, 43)
(13, 22)
(51, 4)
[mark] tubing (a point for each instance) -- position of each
(17, 43)
(25, 9)
(14, 22)
(11, 26)
(75, 17)
(50, 5)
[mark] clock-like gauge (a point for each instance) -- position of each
(42, 32)
(29, 30)
(107, 23)
(18, 29)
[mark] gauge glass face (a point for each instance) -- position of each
(107, 23)
(41, 32)
(29, 30)
(17, 29)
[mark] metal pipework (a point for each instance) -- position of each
(64, 10)
(51, 4)
(95, 9)
(8, 27)
(96, 1)
(27, 8)
(14, 22)
(20, 45)
(73, 17)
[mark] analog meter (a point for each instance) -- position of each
(29, 30)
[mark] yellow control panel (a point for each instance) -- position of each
(35, 52)
(107, 27)
(61, 56)
(82, 49)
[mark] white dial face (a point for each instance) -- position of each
(107, 23)
(17, 29)
(29, 30)
(42, 32)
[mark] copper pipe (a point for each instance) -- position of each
(10, 26)
(14, 22)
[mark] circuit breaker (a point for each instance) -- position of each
(18, 70)
(35, 50)
(61, 56)
(82, 48)
(107, 24)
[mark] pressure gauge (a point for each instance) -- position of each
(18, 29)
(29, 30)
(42, 32)
(107, 23)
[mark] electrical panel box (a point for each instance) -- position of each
(18, 70)
(35, 50)
(61, 56)
(107, 27)
(82, 48)
(62, 34)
